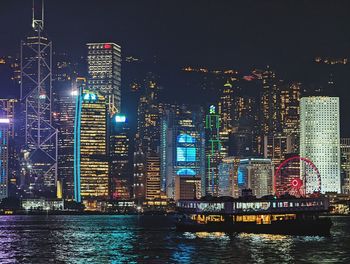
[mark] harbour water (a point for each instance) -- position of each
(152, 239)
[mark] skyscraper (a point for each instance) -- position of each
(4, 157)
(320, 140)
(91, 181)
(120, 170)
(40, 137)
(65, 115)
(147, 139)
(104, 69)
(271, 115)
(183, 151)
(214, 151)
(345, 165)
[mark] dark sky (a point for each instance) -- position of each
(213, 33)
(217, 33)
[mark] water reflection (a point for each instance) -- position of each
(152, 239)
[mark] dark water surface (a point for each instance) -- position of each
(151, 239)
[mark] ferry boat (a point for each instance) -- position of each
(293, 216)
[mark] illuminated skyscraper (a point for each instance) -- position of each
(320, 140)
(4, 157)
(226, 107)
(147, 140)
(290, 113)
(183, 151)
(345, 165)
(36, 90)
(271, 115)
(91, 174)
(7, 110)
(104, 68)
(214, 151)
(65, 115)
(120, 171)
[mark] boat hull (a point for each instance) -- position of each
(315, 227)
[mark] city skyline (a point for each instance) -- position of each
(154, 33)
(174, 132)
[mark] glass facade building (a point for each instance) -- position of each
(91, 156)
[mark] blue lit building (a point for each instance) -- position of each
(182, 149)
(91, 165)
(228, 177)
(4, 135)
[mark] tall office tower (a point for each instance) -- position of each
(228, 177)
(91, 175)
(226, 113)
(290, 113)
(147, 140)
(183, 148)
(7, 110)
(40, 135)
(214, 151)
(7, 107)
(320, 140)
(120, 170)
(149, 115)
(153, 177)
(277, 146)
(257, 175)
(104, 69)
(226, 107)
(345, 165)
(270, 106)
(4, 157)
(65, 120)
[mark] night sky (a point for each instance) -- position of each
(218, 34)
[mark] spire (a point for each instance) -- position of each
(38, 15)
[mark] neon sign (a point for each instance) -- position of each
(212, 109)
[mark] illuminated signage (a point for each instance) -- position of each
(186, 154)
(107, 46)
(212, 109)
(89, 97)
(207, 218)
(120, 118)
